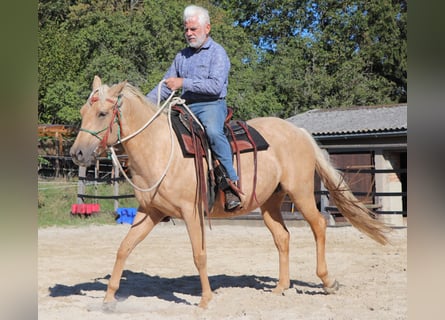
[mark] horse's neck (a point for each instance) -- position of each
(147, 146)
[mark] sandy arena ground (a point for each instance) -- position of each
(160, 280)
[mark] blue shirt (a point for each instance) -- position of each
(205, 73)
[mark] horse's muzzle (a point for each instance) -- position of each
(81, 157)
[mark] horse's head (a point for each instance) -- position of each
(100, 122)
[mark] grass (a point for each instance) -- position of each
(55, 198)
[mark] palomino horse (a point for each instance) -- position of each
(157, 164)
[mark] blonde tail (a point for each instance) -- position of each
(350, 207)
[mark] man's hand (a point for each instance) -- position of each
(174, 83)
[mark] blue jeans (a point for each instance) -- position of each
(212, 115)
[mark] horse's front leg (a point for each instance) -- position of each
(142, 225)
(195, 229)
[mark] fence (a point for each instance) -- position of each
(112, 177)
(105, 172)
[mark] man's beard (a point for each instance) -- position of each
(199, 41)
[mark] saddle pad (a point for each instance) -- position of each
(242, 141)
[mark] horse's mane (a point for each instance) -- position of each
(129, 89)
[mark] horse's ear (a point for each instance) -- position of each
(97, 82)
(117, 88)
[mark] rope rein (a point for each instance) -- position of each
(168, 103)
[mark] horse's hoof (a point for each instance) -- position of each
(205, 299)
(109, 307)
(279, 290)
(332, 289)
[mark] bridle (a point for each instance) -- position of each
(115, 119)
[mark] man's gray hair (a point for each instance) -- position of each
(196, 11)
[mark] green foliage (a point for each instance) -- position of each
(287, 56)
(41, 161)
(58, 100)
(329, 53)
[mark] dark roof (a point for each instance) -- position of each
(353, 120)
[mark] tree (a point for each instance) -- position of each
(88, 38)
(286, 56)
(329, 53)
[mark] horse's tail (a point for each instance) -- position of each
(351, 208)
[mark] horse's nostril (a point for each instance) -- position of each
(76, 154)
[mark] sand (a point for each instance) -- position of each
(160, 280)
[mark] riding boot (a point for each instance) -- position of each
(232, 199)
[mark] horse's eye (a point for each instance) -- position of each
(102, 114)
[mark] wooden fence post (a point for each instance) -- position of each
(96, 177)
(116, 185)
(324, 200)
(81, 183)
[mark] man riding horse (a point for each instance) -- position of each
(202, 71)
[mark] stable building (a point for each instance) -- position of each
(369, 145)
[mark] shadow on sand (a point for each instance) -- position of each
(142, 285)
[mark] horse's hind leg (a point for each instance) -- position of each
(304, 200)
(142, 225)
(271, 211)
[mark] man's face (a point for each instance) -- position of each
(195, 33)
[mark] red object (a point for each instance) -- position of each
(85, 208)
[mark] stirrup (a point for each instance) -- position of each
(232, 200)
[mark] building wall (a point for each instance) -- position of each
(394, 206)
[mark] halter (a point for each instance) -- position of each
(115, 119)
